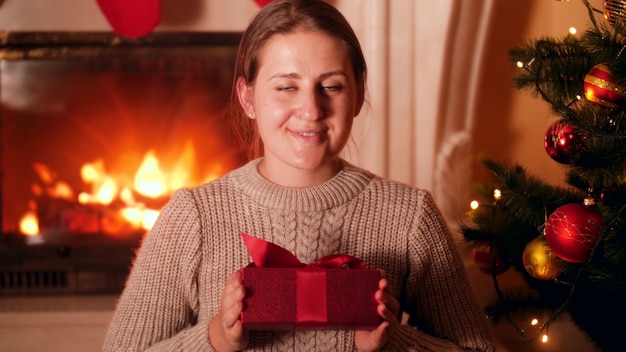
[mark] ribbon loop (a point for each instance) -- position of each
(269, 255)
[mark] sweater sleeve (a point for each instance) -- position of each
(158, 307)
(444, 313)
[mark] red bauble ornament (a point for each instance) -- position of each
(262, 2)
(601, 88)
(484, 258)
(572, 231)
(131, 18)
(561, 140)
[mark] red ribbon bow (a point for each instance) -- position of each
(310, 282)
(269, 255)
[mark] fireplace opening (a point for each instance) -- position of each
(96, 133)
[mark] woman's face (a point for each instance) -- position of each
(304, 99)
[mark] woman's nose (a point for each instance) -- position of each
(312, 105)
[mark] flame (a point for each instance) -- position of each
(54, 188)
(92, 172)
(149, 180)
(132, 215)
(181, 172)
(61, 190)
(149, 218)
(107, 191)
(44, 173)
(126, 196)
(29, 224)
(104, 187)
(123, 209)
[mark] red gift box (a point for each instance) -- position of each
(336, 292)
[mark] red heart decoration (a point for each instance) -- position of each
(131, 18)
(262, 2)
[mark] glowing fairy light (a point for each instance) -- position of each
(572, 30)
(544, 338)
(534, 322)
(525, 66)
(497, 194)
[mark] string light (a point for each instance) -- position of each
(578, 97)
(497, 195)
(521, 64)
(572, 30)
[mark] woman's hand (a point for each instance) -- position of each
(388, 308)
(225, 330)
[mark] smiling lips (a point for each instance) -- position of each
(310, 135)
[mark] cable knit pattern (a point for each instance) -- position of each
(175, 285)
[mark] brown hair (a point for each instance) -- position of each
(279, 17)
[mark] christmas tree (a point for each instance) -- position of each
(567, 242)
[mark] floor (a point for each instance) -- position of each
(54, 324)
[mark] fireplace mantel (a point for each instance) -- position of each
(56, 45)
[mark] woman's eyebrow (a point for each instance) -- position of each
(294, 75)
(285, 75)
(333, 73)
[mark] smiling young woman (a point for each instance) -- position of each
(299, 82)
(304, 99)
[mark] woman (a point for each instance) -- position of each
(300, 82)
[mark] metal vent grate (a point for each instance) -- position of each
(33, 279)
(46, 270)
(44, 280)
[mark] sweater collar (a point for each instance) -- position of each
(346, 185)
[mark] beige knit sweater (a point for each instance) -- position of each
(177, 279)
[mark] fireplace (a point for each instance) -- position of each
(96, 133)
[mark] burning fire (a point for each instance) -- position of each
(29, 224)
(113, 205)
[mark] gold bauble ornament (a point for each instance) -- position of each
(540, 262)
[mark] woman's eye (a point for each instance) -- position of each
(332, 88)
(286, 88)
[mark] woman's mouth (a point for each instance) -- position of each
(309, 134)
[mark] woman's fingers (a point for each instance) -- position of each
(232, 301)
(389, 307)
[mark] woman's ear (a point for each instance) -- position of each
(245, 96)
